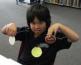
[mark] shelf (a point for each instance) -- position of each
(67, 3)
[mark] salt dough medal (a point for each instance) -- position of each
(36, 52)
(12, 40)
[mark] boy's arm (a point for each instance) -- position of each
(11, 30)
(70, 34)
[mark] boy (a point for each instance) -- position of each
(39, 33)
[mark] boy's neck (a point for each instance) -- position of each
(36, 35)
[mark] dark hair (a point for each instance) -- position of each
(39, 11)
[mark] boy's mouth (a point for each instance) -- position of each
(38, 30)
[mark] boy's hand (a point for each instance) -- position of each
(53, 29)
(9, 29)
(50, 39)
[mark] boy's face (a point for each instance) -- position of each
(37, 27)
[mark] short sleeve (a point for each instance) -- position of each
(62, 41)
(21, 33)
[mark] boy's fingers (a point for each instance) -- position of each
(3, 29)
(11, 32)
(49, 32)
(9, 29)
(50, 36)
(50, 39)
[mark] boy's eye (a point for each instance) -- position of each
(32, 23)
(41, 23)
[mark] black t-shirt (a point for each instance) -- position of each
(25, 35)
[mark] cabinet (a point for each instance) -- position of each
(69, 3)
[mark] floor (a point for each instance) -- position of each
(10, 12)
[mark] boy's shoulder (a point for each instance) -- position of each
(22, 33)
(22, 29)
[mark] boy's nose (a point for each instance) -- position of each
(37, 26)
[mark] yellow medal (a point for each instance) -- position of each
(36, 52)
